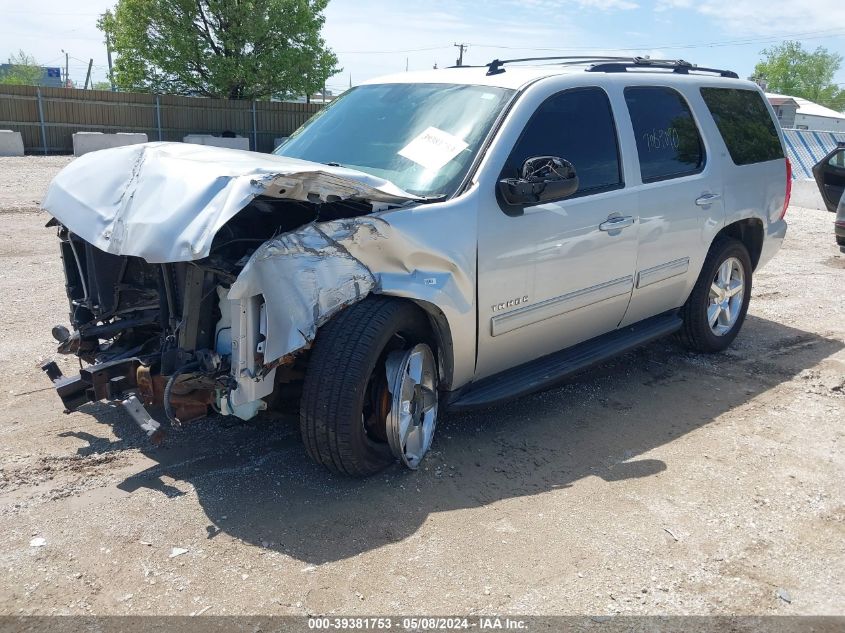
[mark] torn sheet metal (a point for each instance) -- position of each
(308, 275)
(164, 202)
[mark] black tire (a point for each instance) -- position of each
(696, 332)
(342, 380)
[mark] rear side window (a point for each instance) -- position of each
(745, 124)
(576, 125)
(668, 142)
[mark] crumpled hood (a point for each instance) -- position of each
(165, 202)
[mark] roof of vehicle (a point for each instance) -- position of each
(514, 74)
(515, 77)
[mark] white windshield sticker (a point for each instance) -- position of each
(433, 148)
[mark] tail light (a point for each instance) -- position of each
(788, 188)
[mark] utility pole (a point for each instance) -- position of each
(406, 64)
(461, 47)
(88, 75)
(67, 69)
(108, 54)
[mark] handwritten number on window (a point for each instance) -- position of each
(659, 139)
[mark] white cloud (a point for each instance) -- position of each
(601, 5)
(608, 5)
(44, 30)
(762, 17)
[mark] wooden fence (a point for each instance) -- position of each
(48, 117)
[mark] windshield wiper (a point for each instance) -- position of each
(438, 197)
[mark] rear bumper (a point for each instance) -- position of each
(773, 240)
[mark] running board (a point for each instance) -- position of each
(550, 370)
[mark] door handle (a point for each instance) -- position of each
(708, 198)
(616, 222)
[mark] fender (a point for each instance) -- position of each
(307, 276)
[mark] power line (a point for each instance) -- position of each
(817, 34)
(737, 42)
(406, 50)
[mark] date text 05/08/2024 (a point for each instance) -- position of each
(486, 623)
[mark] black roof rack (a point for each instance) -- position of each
(675, 65)
(497, 65)
(604, 64)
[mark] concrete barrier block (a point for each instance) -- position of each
(238, 142)
(279, 140)
(11, 143)
(805, 193)
(84, 142)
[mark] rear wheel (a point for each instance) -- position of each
(370, 392)
(718, 303)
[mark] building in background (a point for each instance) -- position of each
(50, 76)
(785, 108)
(808, 115)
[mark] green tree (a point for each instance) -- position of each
(101, 85)
(790, 69)
(240, 49)
(23, 70)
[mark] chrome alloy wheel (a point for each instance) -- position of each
(412, 381)
(727, 292)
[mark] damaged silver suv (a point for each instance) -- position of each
(431, 241)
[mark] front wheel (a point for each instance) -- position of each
(718, 303)
(370, 392)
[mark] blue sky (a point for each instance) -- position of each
(374, 37)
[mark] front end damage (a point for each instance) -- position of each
(145, 334)
(174, 283)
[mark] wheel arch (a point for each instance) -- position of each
(445, 351)
(750, 232)
(440, 329)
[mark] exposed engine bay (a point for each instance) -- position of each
(158, 330)
(197, 277)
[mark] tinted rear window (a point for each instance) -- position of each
(745, 124)
(668, 142)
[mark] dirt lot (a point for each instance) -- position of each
(663, 482)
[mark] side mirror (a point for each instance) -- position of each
(542, 179)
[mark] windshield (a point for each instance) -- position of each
(420, 137)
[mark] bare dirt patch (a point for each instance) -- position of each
(662, 482)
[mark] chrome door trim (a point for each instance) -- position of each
(662, 272)
(528, 315)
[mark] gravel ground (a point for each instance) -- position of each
(23, 181)
(663, 482)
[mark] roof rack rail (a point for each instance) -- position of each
(675, 65)
(497, 65)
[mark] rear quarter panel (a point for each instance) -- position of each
(757, 190)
